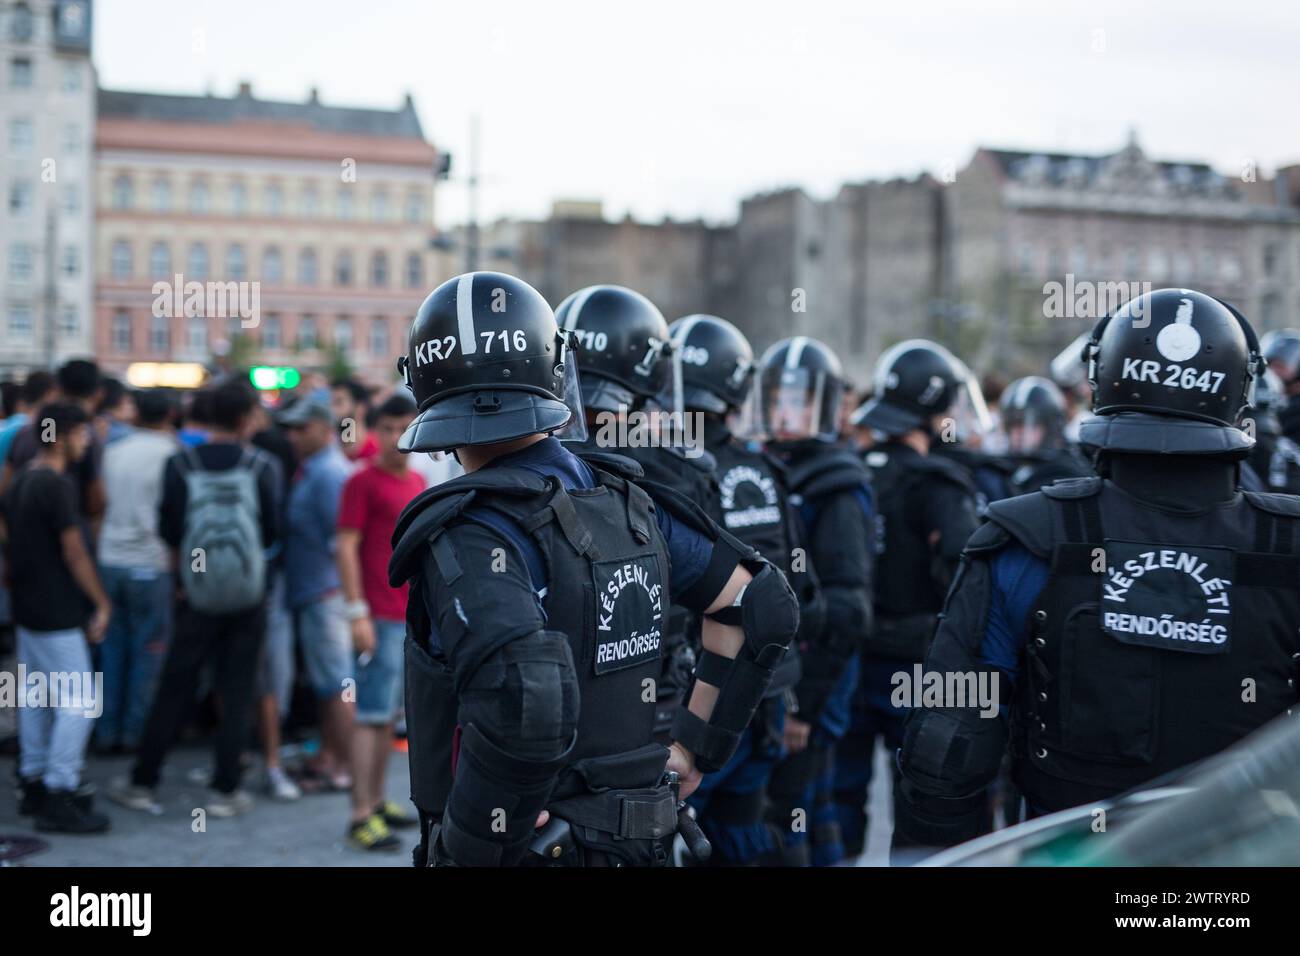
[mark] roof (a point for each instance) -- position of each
(165, 107)
(1084, 170)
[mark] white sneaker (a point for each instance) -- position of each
(124, 793)
(279, 786)
(229, 804)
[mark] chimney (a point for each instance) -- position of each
(245, 90)
(314, 96)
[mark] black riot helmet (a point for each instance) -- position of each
(623, 338)
(1033, 415)
(913, 381)
(716, 362)
(487, 363)
(1281, 349)
(1171, 373)
(1270, 400)
(800, 386)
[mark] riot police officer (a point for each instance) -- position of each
(1134, 622)
(632, 405)
(799, 393)
(1034, 417)
(1274, 462)
(1282, 352)
(926, 506)
(538, 587)
(716, 371)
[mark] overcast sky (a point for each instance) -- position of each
(684, 108)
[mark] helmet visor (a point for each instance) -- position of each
(575, 429)
(799, 403)
(968, 416)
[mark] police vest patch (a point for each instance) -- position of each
(1173, 597)
(629, 612)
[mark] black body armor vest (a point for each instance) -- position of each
(1159, 638)
(606, 589)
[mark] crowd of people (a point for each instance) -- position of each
(206, 545)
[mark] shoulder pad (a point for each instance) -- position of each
(681, 507)
(988, 537)
(1028, 519)
(619, 465)
(837, 470)
(1286, 505)
(941, 466)
(1068, 488)
(433, 509)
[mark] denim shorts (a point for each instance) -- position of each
(326, 641)
(379, 680)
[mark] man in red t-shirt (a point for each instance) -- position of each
(350, 403)
(372, 500)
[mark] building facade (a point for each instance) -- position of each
(260, 232)
(47, 118)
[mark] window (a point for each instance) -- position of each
(69, 322)
(71, 194)
(196, 334)
(1270, 259)
(236, 264)
(272, 265)
(343, 333)
(1182, 266)
(20, 135)
(238, 199)
(70, 82)
(271, 332)
(307, 332)
(196, 263)
(414, 208)
(1158, 263)
(20, 23)
(160, 333)
(160, 261)
(379, 205)
(122, 192)
(379, 336)
(71, 261)
(20, 321)
(20, 261)
(379, 270)
(20, 197)
(1079, 261)
(343, 269)
(120, 259)
(1231, 267)
(1209, 265)
(346, 208)
(1132, 262)
(414, 270)
(274, 200)
(120, 331)
(20, 73)
(199, 197)
(308, 267)
(162, 195)
(70, 139)
(310, 203)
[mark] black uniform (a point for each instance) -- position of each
(1117, 627)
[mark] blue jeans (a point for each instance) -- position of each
(133, 649)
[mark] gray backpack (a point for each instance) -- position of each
(221, 563)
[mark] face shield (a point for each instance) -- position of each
(1028, 430)
(1068, 369)
(664, 360)
(799, 403)
(967, 419)
(575, 429)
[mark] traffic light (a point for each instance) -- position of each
(269, 377)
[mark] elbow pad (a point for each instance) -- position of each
(768, 612)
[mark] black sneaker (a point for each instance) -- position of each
(33, 795)
(64, 812)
